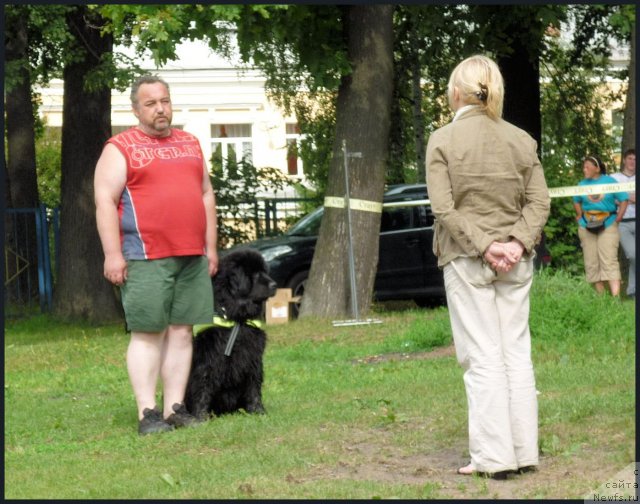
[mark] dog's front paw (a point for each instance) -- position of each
(256, 409)
(203, 415)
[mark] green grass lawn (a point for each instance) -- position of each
(366, 412)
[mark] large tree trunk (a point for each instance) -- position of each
(629, 125)
(21, 166)
(521, 73)
(82, 291)
(21, 175)
(363, 120)
(517, 54)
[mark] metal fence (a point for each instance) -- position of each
(28, 273)
(275, 214)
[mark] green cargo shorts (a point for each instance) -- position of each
(168, 291)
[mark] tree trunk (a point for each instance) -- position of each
(363, 120)
(82, 291)
(629, 125)
(21, 166)
(21, 175)
(521, 73)
(416, 88)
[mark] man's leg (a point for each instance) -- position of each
(192, 304)
(175, 365)
(143, 364)
(628, 242)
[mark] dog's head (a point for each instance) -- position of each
(242, 285)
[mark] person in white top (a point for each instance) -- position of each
(627, 226)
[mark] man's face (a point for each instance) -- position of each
(153, 109)
(630, 164)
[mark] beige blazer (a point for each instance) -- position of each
(485, 184)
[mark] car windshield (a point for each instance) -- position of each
(309, 225)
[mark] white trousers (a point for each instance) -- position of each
(489, 315)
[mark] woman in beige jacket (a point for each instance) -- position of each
(491, 201)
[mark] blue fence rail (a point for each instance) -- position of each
(27, 256)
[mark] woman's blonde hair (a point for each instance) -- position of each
(479, 82)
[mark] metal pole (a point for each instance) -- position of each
(352, 266)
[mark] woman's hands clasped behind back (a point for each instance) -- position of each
(503, 256)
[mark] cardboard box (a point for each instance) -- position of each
(278, 307)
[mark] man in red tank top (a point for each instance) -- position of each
(156, 217)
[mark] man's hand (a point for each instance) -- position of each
(212, 257)
(115, 269)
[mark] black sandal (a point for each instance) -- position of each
(499, 475)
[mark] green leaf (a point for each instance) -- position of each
(167, 478)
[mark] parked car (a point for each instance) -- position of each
(407, 267)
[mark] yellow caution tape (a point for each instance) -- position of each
(559, 192)
(354, 204)
(555, 192)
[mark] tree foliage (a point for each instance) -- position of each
(316, 115)
(235, 190)
(48, 42)
(575, 98)
(48, 166)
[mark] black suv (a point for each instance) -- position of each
(407, 267)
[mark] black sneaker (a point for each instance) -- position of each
(181, 417)
(152, 422)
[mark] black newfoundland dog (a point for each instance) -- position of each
(226, 370)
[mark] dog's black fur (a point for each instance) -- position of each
(223, 384)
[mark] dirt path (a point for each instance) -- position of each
(379, 460)
(373, 456)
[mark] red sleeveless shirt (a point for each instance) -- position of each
(161, 209)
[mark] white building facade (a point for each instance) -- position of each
(225, 107)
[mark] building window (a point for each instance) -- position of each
(231, 144)
(292, 136)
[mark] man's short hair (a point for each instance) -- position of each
(144, 79)
(629, 152)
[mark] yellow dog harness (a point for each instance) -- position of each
(223, 322)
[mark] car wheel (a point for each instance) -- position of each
(296, 284)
